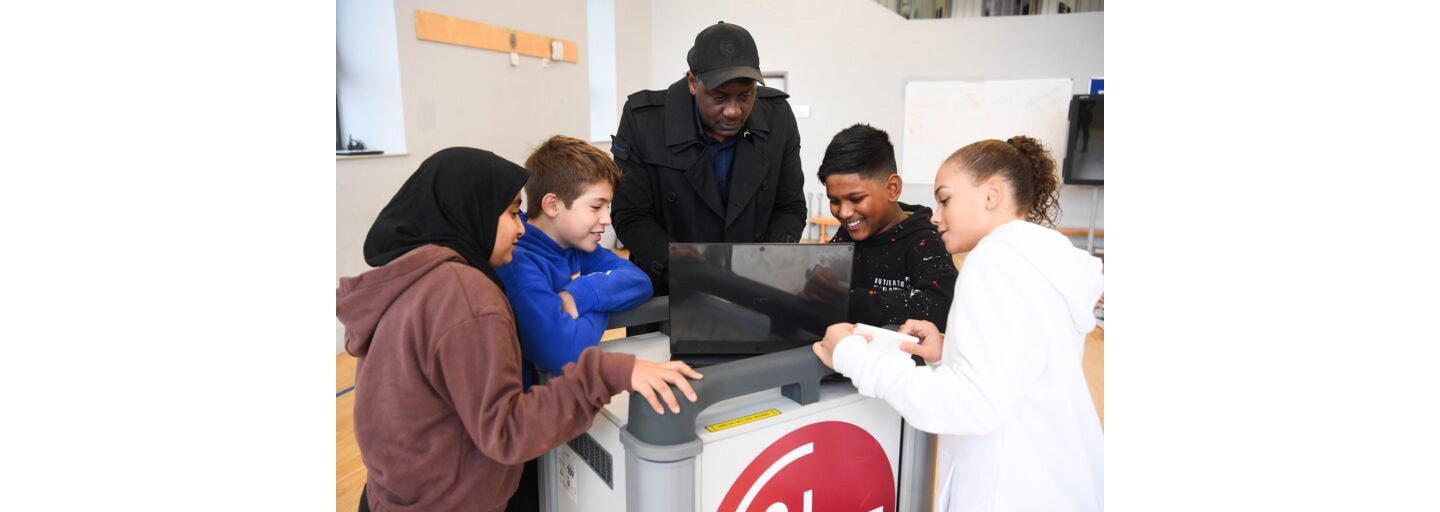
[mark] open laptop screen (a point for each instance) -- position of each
(748, 299)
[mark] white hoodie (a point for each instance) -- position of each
(1017, 427)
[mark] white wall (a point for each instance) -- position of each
(458, 96)
(632, 50)
(849, 61)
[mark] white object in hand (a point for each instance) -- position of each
(884, 339)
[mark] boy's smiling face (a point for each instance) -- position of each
(865, 206)
(581, 225)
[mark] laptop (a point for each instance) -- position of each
(733, 301)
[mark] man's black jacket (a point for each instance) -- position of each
(668, 193)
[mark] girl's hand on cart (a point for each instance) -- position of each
(653, 381)
(825, 354)
(825, 349)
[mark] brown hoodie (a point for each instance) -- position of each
(440, 416)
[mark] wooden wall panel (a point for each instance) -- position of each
(440, 28)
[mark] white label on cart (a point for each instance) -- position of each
(566, 468)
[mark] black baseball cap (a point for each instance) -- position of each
(724, 52)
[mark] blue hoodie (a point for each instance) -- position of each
(603, 283)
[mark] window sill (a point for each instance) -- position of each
(359, 157)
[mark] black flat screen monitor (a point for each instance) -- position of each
(1085, 154)
(751, 299)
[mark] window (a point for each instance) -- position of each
(367, 76)
(931, 9)
(600, 32)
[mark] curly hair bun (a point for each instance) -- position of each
(1043, 181)
(1026, 164)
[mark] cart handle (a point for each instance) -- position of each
(797, 372)
(650, 311)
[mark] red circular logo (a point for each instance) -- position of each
(829, 466)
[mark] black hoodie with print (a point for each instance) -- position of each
(903, 273)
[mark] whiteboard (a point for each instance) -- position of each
(941, 117)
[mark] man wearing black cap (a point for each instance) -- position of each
(714, 158)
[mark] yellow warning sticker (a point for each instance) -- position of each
(743, 420)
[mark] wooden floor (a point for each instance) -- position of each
(350, 470)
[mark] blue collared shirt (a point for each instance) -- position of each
(722, 158)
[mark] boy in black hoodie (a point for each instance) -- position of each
(901, 268)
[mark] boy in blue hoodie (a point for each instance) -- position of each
(561, 284)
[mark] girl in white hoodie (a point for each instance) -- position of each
(1003, 389)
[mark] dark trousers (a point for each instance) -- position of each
(527, 496)
(364, 505)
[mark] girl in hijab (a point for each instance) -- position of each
(440, 415)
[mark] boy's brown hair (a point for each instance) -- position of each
(564, 166)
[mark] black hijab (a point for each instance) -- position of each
(454, 200)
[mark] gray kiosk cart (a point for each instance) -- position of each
(767, 434)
